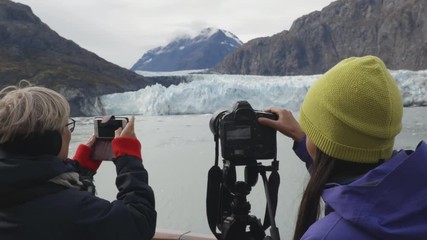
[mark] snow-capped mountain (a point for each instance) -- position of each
(203, 51)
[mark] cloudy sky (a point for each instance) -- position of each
(121, 31)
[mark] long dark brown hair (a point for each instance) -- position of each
(324, 169)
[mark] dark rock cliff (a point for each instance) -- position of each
(30, 50)
(394, 30)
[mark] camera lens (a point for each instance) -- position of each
(214, 122)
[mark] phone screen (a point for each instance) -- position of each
(106, 130)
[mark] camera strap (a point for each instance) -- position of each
(273, 191)
(213, 198)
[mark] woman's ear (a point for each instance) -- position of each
(57, 144)
(65, 142)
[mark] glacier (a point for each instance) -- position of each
(207, 93)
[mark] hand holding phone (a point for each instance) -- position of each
(128, 130)
(105, 128)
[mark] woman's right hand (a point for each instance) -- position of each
(128, 131)
(286, 123)
(125, 141)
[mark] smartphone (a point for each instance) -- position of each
(106, 126)
(104, 132)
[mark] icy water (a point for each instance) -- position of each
(178, 152)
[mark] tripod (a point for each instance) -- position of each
(227, 205)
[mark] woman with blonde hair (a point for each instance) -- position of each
(45, 195)
(345, 135)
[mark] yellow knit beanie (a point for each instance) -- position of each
(354, 111)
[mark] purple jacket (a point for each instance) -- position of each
(389, 202)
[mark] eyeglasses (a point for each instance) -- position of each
(71, 125)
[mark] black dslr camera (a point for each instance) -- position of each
(242, 137)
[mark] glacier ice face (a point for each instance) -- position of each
(413, 86)
(207, 93)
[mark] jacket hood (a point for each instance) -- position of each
(17, 172)
(390, 201)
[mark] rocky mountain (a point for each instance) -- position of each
(30, 50)
(203, 51)
(394, 30)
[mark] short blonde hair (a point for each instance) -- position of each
(27, 109)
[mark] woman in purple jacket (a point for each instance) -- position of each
(345, 135)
